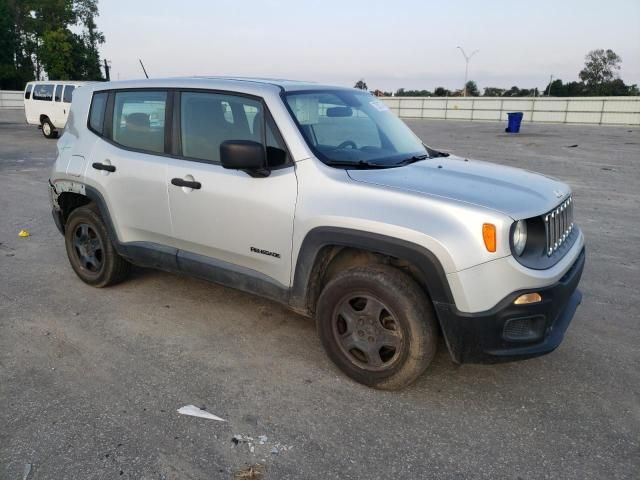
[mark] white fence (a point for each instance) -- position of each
(585, 110)
(11, 100)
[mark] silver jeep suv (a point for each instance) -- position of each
(319, 198)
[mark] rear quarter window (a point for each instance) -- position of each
(27, 92)
(96, 114)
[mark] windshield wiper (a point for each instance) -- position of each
(413, 159)
(357, 163)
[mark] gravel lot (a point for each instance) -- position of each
(90, 380)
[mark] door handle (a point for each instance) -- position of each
(103, 166)
(180, 182)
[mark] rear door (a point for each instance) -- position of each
(234, 218)
(41, 102)
(67, 96)
(128, 163)
(57, 117)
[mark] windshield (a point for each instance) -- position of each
(353, 128)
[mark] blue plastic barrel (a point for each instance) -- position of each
(514, 119)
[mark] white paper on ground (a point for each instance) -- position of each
(196, 412)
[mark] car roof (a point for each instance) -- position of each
(219, 82)
(63, 82)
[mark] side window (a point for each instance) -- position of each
(27, 92)
(43, 92)
(96, 115)
(208, 119)
(59, 92)
(68, 92)
(138, 120)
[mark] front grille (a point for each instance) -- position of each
(558, 224)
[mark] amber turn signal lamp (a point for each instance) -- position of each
(528, 298)
(489, 236)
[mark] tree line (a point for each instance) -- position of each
(48, 39)
(599, 77)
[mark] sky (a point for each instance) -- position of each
(390, 44)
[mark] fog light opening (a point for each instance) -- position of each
(528, 298)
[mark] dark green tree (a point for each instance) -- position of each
(600, 66)
(401, 92)
(493, 92)
(361, 85)
(471, 89)
(56, 54)
(58, 39)
(441, 92)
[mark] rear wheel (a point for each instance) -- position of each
(48, 130)
(377, 326)
(90, 250)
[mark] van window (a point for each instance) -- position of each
(138, 120)
(27, 92)
(68, 91)
(208, 119)
(96, 115)
(59, 92)
(43, 91)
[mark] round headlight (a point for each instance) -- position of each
(519, 237)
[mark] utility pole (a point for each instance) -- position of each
(466, 68)
(106, 70)
(550, 82)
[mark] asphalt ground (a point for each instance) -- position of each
(90, 380)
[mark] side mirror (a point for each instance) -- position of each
(244, 155)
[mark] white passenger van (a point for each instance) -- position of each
(47, 104)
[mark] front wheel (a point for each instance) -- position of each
(48, 130)
(377, 326)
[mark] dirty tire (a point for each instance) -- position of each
(91, 251)
(377, 325)
(48, 130)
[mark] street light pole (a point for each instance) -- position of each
(466, 68)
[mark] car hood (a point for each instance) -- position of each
(512, 191)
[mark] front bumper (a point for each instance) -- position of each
(514, 332)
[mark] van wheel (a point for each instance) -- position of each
(377, 326)
(90, 250)
(48, 130)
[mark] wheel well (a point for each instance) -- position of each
(43, 118)
(333, 259)
(69, 201)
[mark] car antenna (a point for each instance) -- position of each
(143, 69)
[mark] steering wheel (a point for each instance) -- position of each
(347, 143)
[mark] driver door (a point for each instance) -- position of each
(236, 221)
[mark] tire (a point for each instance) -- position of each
(377, 325)
(48, 130)
(90, 250)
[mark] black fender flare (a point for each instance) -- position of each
(433, 276)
